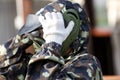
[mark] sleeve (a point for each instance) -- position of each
(13, 59)
(48, 64)
(43, 64)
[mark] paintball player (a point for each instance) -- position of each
(58, 34)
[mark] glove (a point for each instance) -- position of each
(54, 28)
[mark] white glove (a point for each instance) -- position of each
(54, 28)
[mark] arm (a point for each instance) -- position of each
(50, 64)
(54, 34)
(13, 57)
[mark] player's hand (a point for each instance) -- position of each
(54, 27)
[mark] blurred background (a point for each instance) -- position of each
(105, 26)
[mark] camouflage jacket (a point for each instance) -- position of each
(46, 64)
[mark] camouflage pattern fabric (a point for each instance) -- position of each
(14, 59)
(48, 63)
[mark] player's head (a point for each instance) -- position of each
(71, 11)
